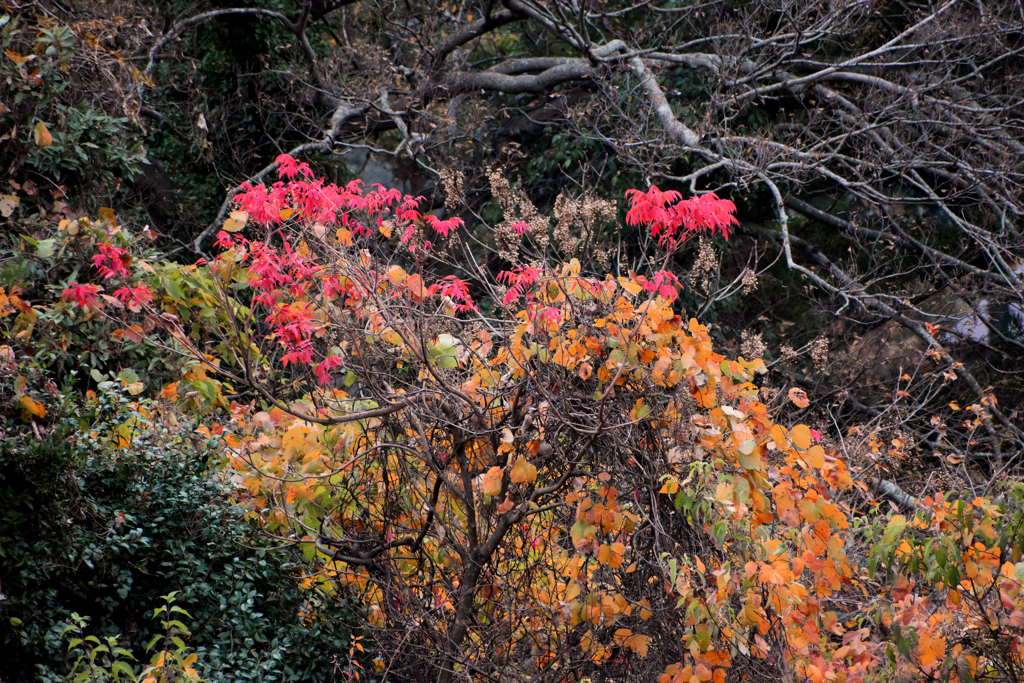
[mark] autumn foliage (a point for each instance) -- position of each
(566, 483)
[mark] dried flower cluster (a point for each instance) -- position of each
(578, 219)
(519, 216)
(752, 346)
(705, 265)
(819, 353)
(749, 281)
(453, 181)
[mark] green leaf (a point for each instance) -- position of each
(173, 289)
(45, 248)
(128, 375)
(124, 668)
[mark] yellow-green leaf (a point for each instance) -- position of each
(895, 527)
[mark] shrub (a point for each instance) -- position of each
(103, 512)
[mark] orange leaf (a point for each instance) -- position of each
(637, 643)
(31, 407)
(585, 370)
(816, 457)
(523, 472)
(42, 135)
(15, 57)
(491, 481)
(799, 397)
(414, 283)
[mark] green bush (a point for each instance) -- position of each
(93, 529)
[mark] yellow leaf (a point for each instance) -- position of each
(385, 229)
(645, 609)
(801, 436)
(286, 213)
(8, 203)
(816, 457)
(136, 388)
(396, 275)
(31, 407)
(630, 286)
(604, 554)
(236, 221)
(523, 472)
(42, 135)
(107, 214)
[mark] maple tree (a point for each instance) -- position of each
(569, 483)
